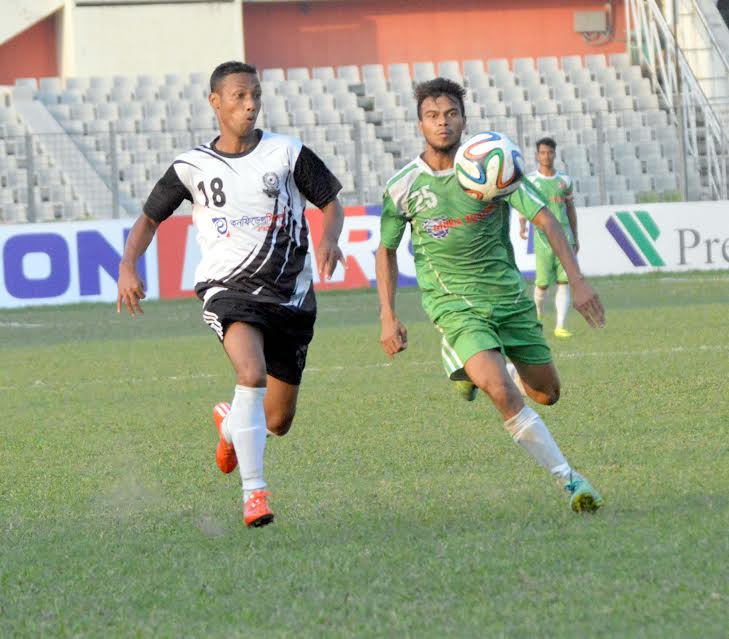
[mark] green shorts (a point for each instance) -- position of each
(513, 329)
(549, 268)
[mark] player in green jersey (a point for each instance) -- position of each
(556, 187)
(471, 288)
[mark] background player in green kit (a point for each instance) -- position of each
(556, 187)
(471, 288)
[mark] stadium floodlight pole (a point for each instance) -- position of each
(678, 102)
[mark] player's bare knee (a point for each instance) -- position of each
(251, 376)
(546, 397)
(504, 395)
(280, 423)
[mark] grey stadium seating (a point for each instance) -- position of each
(138, 125)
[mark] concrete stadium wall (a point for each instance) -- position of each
(31, 53)
(282, 34)
(78, 261)
(156, 39)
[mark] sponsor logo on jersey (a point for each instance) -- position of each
(439, 227)
(270, 184)
(221, 225)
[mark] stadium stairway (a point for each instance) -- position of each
(94, 193)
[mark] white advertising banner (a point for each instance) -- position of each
(67, 263)
(76, 262)
(678, 236)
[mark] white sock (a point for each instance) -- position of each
(528, 430)
(539, 295)
(246, 424)
(514, 374)
(226, 432)
(562, 301)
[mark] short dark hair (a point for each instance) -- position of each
(229, 68)
(438, 87)
(547, 142)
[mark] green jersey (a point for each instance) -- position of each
(557, 190)
(461, 246)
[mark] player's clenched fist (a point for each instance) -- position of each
(394, 337)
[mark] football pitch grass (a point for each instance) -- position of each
(401, 511)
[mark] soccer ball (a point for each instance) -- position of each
(489, 166)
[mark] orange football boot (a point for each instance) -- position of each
(225, 456)
(256, 511)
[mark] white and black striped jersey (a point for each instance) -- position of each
(248, 209)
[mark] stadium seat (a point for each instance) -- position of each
(312, 87)
(571, 106)
(473, 68)
(323, 101)
(289, 87)
(538, 92)
(523, 66)
(450, 69)
(423, 71)
(571, 63)
(273, 75)
(621, 197)
(595, 61)
(498, 66)
(298, 73)
(648, 102)
(145, 92)
(545, 107)
(665, 182)
(350, 73)
(640, 182)
(547, 63)
(564, 92)
(619, 60)
(631, 73)
(98, 82)
(373, 72)
(322, 73)
(520, 108)
(555, 77)
(337, 85)
(298, 102)
(594, 103)
(621, 103)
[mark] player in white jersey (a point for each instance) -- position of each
(248, 190)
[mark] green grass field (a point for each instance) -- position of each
(401, 510)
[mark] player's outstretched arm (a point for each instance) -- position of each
(394, 335)
(328, 252)
(130, 286)
(584, 298)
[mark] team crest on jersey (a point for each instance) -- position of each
(270, 184)
(221, 225)
(422, 199)
(438, 227)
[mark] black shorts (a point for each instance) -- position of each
(286, 331)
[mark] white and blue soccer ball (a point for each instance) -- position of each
(489, 166)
